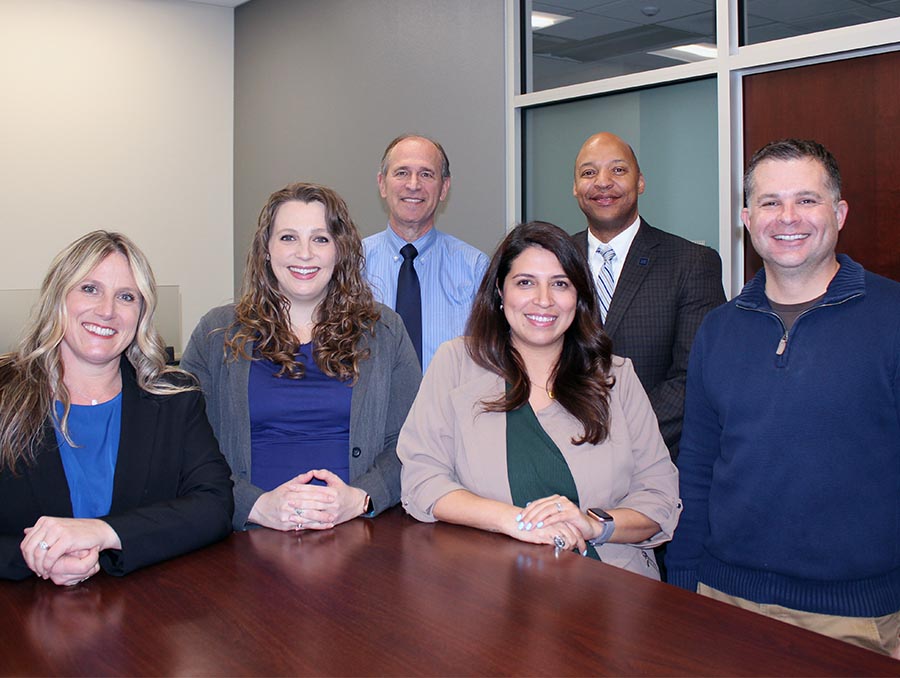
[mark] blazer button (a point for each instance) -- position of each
(356, 452)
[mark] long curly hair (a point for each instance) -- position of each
(262, 315)
(581, 377)
(31, 377)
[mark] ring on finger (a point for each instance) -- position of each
(558, 507)
(559, 541)
(298, 511)
(43, 546)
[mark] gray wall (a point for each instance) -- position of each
(321, 87)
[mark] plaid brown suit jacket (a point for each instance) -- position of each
(666, 287)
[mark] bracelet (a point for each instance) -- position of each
(608, 528)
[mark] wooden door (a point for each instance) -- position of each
(853, 108)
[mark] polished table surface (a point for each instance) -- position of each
(391, 596)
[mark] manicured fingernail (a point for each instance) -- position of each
(540, 524)
(521, 525)
(518, 517)
(528, 504)
(584, 553)
(528, 526)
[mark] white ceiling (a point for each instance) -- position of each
(220, 3)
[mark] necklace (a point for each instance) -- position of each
(104, 396)
(548, 391)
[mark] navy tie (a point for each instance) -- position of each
(409, 298)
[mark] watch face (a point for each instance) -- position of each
(600, 515)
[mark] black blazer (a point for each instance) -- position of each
(171, 489)
(666, 287)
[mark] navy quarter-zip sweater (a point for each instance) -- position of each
(790, 456)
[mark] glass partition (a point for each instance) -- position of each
(765, 20)
(673, 131)
(574, 41)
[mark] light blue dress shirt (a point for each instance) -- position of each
(449, 271)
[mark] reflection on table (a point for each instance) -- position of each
(391, 596)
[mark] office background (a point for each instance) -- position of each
(173, 120)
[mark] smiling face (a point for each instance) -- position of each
(412, 186)
(302, 253)
(539, 301)
(607, 185)
(794, 219)
(102, 312)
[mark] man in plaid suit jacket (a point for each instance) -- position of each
(663, 285)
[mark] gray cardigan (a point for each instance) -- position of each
(388, 383)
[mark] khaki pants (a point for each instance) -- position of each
(881, 634)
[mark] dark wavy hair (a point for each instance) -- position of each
(343, 316)
(581, 377)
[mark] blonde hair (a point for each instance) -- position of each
(31, 377)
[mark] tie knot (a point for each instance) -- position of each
(607, 252)
(409, 251)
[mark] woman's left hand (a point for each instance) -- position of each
(74, 568)
(51, 539)
(347, 504)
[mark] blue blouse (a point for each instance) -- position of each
(90, 466)
(297, 424)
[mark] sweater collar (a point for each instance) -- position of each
(848, 282)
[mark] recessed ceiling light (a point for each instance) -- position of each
(541, 20)
(689, 53)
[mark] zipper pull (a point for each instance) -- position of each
(782, 345)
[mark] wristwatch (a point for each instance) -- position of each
(608, 523)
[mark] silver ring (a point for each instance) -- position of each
(559, 541)
(299, 512)
(43, 546)
(558, 507)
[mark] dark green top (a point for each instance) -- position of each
(535, 465)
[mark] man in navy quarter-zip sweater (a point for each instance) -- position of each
(790, 452)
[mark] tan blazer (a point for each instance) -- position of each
(448, 443)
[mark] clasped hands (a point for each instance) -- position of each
(299, 505)
(67, 550)
(555, 520)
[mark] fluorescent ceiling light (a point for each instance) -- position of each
(689, 53)
(541, 20)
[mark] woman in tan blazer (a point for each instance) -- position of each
(529, 426)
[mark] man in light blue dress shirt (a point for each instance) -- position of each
(414, 179)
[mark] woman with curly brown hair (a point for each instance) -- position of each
(308, 380)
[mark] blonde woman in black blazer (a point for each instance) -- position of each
(152, 483)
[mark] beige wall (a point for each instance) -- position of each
(118, 114)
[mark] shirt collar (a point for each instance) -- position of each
(620, 244)
(422, 244)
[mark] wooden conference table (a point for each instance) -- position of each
(391, 596)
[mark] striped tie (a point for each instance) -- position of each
(605, 279)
